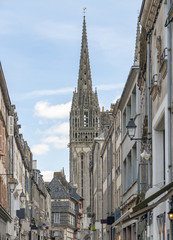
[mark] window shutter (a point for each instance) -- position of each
(0, 190)
(1, 138)
(3, 144)
(10, 125)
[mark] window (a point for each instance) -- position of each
(71, 219)
(75, 122)
(128, 110)
(82, 157)
(159, 153)
(85, 119)
(56, 217)
(124, 122)
(130, 168)
(124, 176)
(133, 103)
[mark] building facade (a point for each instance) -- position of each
(65, 208)
(17, 178)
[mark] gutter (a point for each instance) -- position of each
(142, 8)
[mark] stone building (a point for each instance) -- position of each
(66, 209)
(84, 127)
(155, 82)
(130, 149)
(6, 164)
(17, 201)
(22, 158)
(117, 170)
(40, 206)
(96, 169)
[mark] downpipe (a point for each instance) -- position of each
(168, 25)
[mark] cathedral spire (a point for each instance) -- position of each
(137, 47)
(84, 79)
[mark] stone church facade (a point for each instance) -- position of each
(84, 127)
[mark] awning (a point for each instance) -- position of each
(144, 203)
(144, 210)
(124, 217)
(143, 207)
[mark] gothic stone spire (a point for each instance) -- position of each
(84, 80)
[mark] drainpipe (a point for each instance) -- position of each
(111, 172)
(169, 108)
(102, 195)
(148, 106)
(107, 179)
(97, 216)
(149, 125)
(169, 94)
(111, 181)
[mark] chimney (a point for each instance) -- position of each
(34, 164)
(57, 174)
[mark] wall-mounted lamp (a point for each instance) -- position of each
(12, 184)
(30, 206)
(22, 196)
(131, 130)
(11, 181)
(170, 215)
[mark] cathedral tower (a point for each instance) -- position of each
(84, 126)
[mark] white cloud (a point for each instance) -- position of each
(47, 175)
(40, 149)
(60, 111)
(61, 129)
(51, 92)
(58, 142)
(43, 93)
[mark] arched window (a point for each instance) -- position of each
(85, 119)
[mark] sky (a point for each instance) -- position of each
(40, 43)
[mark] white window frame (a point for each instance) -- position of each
(57, 217)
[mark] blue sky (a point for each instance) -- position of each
(40, 45)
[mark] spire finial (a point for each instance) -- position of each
(84, 10)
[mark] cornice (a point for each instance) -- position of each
(130, 80)
(4, 89)
(149, 13)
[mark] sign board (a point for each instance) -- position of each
(103, 221)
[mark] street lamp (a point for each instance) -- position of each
(131, 130)
(170, 214)
(11, 181)
(22, 196)
(12, 184)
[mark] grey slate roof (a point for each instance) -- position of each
(61, 189)
(57, 190)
